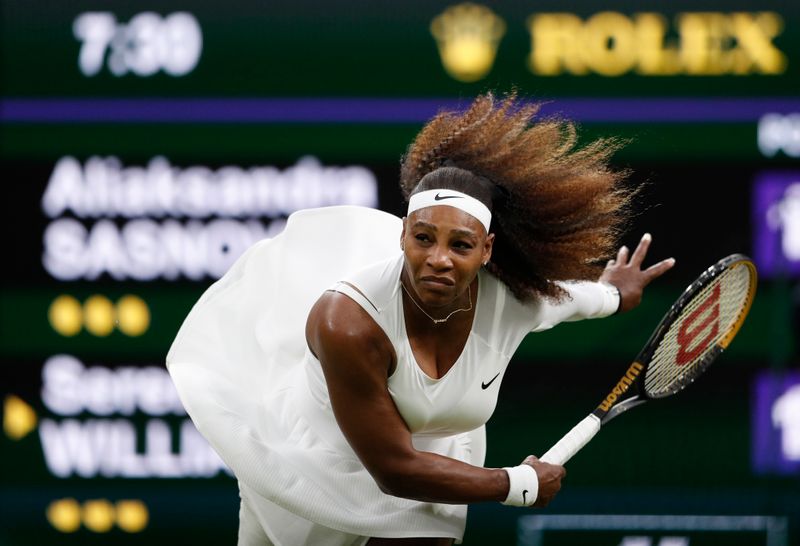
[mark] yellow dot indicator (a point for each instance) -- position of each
(133, 315)
(65, 315)
(98, 315)
(98, 515)
(64, 515)
(18, 417)
(132, 515)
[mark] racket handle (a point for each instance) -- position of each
(573, 441)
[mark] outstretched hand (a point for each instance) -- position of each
(629, 277)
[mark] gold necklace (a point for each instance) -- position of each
(441, 320)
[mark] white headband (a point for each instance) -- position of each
(451, 198)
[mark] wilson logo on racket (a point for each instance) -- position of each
(690, 329)
(626, 381)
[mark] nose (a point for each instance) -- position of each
(439, 257)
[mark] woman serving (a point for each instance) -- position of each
(346, 378)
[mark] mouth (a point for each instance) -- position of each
(438, 281)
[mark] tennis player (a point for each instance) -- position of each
(345, 369)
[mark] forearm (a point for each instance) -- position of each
(429, 477)
(589, 300)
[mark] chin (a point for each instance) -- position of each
(436, 295)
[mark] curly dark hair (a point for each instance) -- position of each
(558, 208)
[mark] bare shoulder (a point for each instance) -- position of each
(335, 316)
(338, 328)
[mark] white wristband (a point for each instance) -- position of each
(523, 485)
(612, 299)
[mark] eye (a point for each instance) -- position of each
(422, 237)
(463, 245)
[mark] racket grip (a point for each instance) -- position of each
(572, 441)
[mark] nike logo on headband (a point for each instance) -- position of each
(438, 197)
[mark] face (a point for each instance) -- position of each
(444, 249)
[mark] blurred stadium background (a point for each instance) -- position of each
(146, 144)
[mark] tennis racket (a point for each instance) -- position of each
(695, 330)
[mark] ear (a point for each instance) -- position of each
(403, 234)
(487, 249)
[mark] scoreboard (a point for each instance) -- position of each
(144, 146)
(646, 530)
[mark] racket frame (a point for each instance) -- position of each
(630, 391)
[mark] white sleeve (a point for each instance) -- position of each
(584, 300)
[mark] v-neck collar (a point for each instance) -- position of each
(404, 335)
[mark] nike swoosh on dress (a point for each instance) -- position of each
(485, 386)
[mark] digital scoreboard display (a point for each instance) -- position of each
(145, 146)
(776, 423)
(648, 530)
(776, 221)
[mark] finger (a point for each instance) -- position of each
(641, 250)
(656, 270)
(622, 255)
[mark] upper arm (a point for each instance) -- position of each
(356, 357)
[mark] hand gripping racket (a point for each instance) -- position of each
(695, 330)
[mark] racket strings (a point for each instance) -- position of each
(694, 334)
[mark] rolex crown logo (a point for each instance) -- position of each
(467, 36)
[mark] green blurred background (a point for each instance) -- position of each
(691, 86)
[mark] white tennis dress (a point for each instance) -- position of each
(246, 377)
